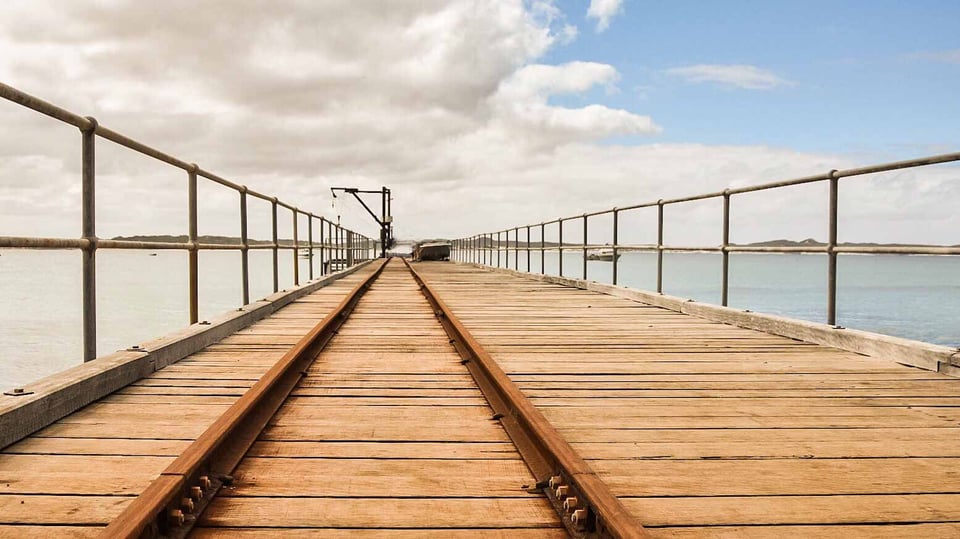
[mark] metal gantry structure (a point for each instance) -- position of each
(385, 221)
(486, 248)
(336, 242)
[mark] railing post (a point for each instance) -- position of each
(194, 253)
(245, 250)
(89, 233)
(831, 251)
(310, 243)
(296, 250)
(560, 248)
(528, 248)
(276, 260)
(660, 246)
(323, 246)
(499, 246)
(725, 275)
(584, 247)
(516, 249)
(616, 242)
(543, 249)
(350, 252)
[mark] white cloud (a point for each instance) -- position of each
(521, 105)
(736, 75)
(448, 103)
(603, 11)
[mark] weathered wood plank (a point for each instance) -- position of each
(693, 415)
(453, 513)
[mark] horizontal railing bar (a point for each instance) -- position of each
(12, 94)
(16, 242)
(219, 246)
(638, 206)
(905, 250)
(693, 198)
(261, 196)
(636, 247)
(217, 179)
(815, 249)
(772, 249)
(910, 163)
(140, 147)
(775, 185)
(689, 249)
(146, 245)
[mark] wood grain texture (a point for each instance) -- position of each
(387, 436)
(710, 430)
(78, 473)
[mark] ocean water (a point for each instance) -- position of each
(143, 295)
(916, 297)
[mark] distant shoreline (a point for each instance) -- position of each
(809, 242)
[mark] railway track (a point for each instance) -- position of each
(387, 416)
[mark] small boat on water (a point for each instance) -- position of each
(432, 251)
(603, 255)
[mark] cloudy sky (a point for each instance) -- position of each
(488, 114)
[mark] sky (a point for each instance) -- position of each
(483, 115)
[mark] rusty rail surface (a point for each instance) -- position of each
(486, 248)
(337, 244)
(582, 500)
(172, 503)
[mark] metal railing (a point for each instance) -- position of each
(480, 248)
(337, 245)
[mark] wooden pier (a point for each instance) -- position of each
(696, 428)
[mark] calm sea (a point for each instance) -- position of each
(142, 295)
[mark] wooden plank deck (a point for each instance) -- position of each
(71, 478)
(708, 430)
(702, 429)
(387, 436)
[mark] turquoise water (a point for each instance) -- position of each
(142, 297)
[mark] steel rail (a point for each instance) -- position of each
(583, 501)
(172, 503)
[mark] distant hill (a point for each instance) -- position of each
(810, 242)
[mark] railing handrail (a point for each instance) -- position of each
(337, 243)
(478, 247)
